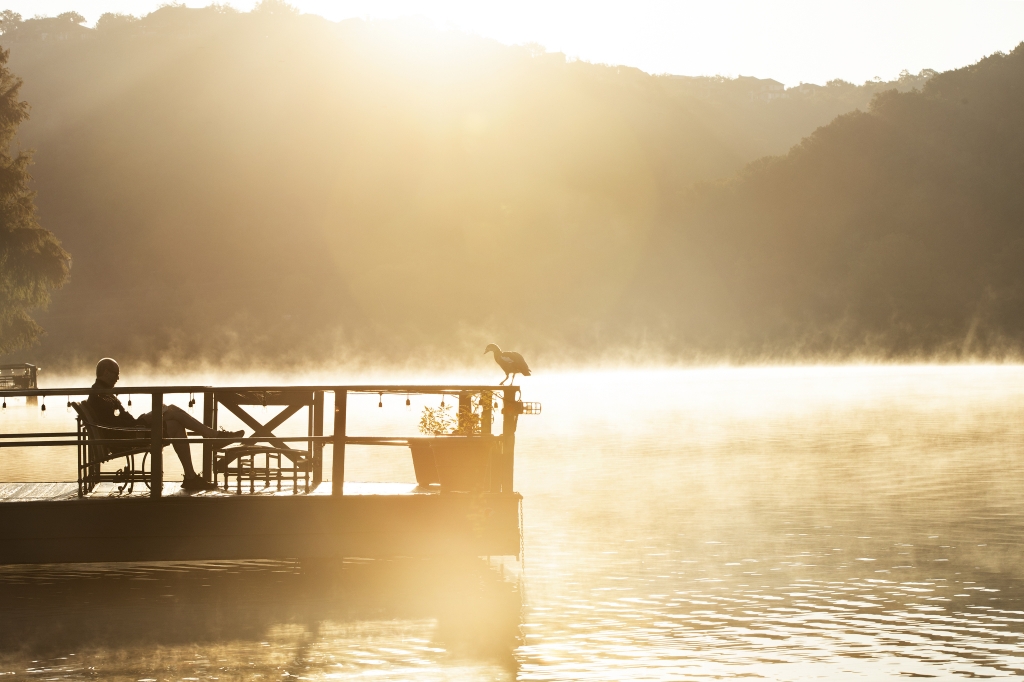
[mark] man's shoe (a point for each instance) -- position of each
(233, 435)
(196, 484)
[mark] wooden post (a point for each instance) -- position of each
(32, 383)
(487, 418)
(318, 430)
(465, 409)
(338, 467)
(508, 435)
(208, 447)
(486, 427)
(157, 446)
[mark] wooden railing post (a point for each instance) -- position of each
(465, 412)
(338, 465)
(208, 447)
(317, 448)
(486, 428)
(508, 436)
(157, 446)
(487, 413)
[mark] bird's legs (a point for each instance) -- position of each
(513, 382)
(502, 382)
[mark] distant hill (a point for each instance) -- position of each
(897, 232)
(243, 186)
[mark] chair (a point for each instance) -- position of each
(91, 455)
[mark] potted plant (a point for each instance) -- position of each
(453, 456)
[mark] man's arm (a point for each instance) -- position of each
(108, 410)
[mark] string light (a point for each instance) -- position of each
(43, 408)
(380, 400)
(191, 401)
(69, 404)
(407, 402)
(5, 403)
(129, 400)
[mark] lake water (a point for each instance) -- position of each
(769, 523)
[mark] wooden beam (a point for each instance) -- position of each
(465, 410)
(508, 434)
(264, 431)
(156, 435)
(318, 430)
(338, 464)
(208, 404)
(167, 390)
(487, 418)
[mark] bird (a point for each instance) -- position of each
(509, 361)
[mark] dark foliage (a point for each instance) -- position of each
(897, 231)
(32, 262)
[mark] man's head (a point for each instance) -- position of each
(107, 372)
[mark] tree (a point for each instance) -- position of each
(72, 17)
(275, 7)
(9, 21)
(32, 262)
(113, 20)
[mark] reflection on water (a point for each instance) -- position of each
(788, 524)
(270, 620)
(785, 524)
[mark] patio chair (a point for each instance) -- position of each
(91, 455)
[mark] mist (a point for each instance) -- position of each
(241, 187)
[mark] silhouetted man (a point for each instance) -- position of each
(109, 411)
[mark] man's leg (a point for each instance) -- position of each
(185, 419)
(174, 429)
(188, 421)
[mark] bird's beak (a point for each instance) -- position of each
(485, 352)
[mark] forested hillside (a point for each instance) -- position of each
(898, 231)
(268, 185)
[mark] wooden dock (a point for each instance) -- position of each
(72, 522)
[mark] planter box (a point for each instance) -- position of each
(456, 463)
(423, 462)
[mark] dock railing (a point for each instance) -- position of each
(234, 398)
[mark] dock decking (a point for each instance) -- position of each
(54, 491)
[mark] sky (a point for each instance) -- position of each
(793, 41)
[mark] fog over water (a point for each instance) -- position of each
(784, 523)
